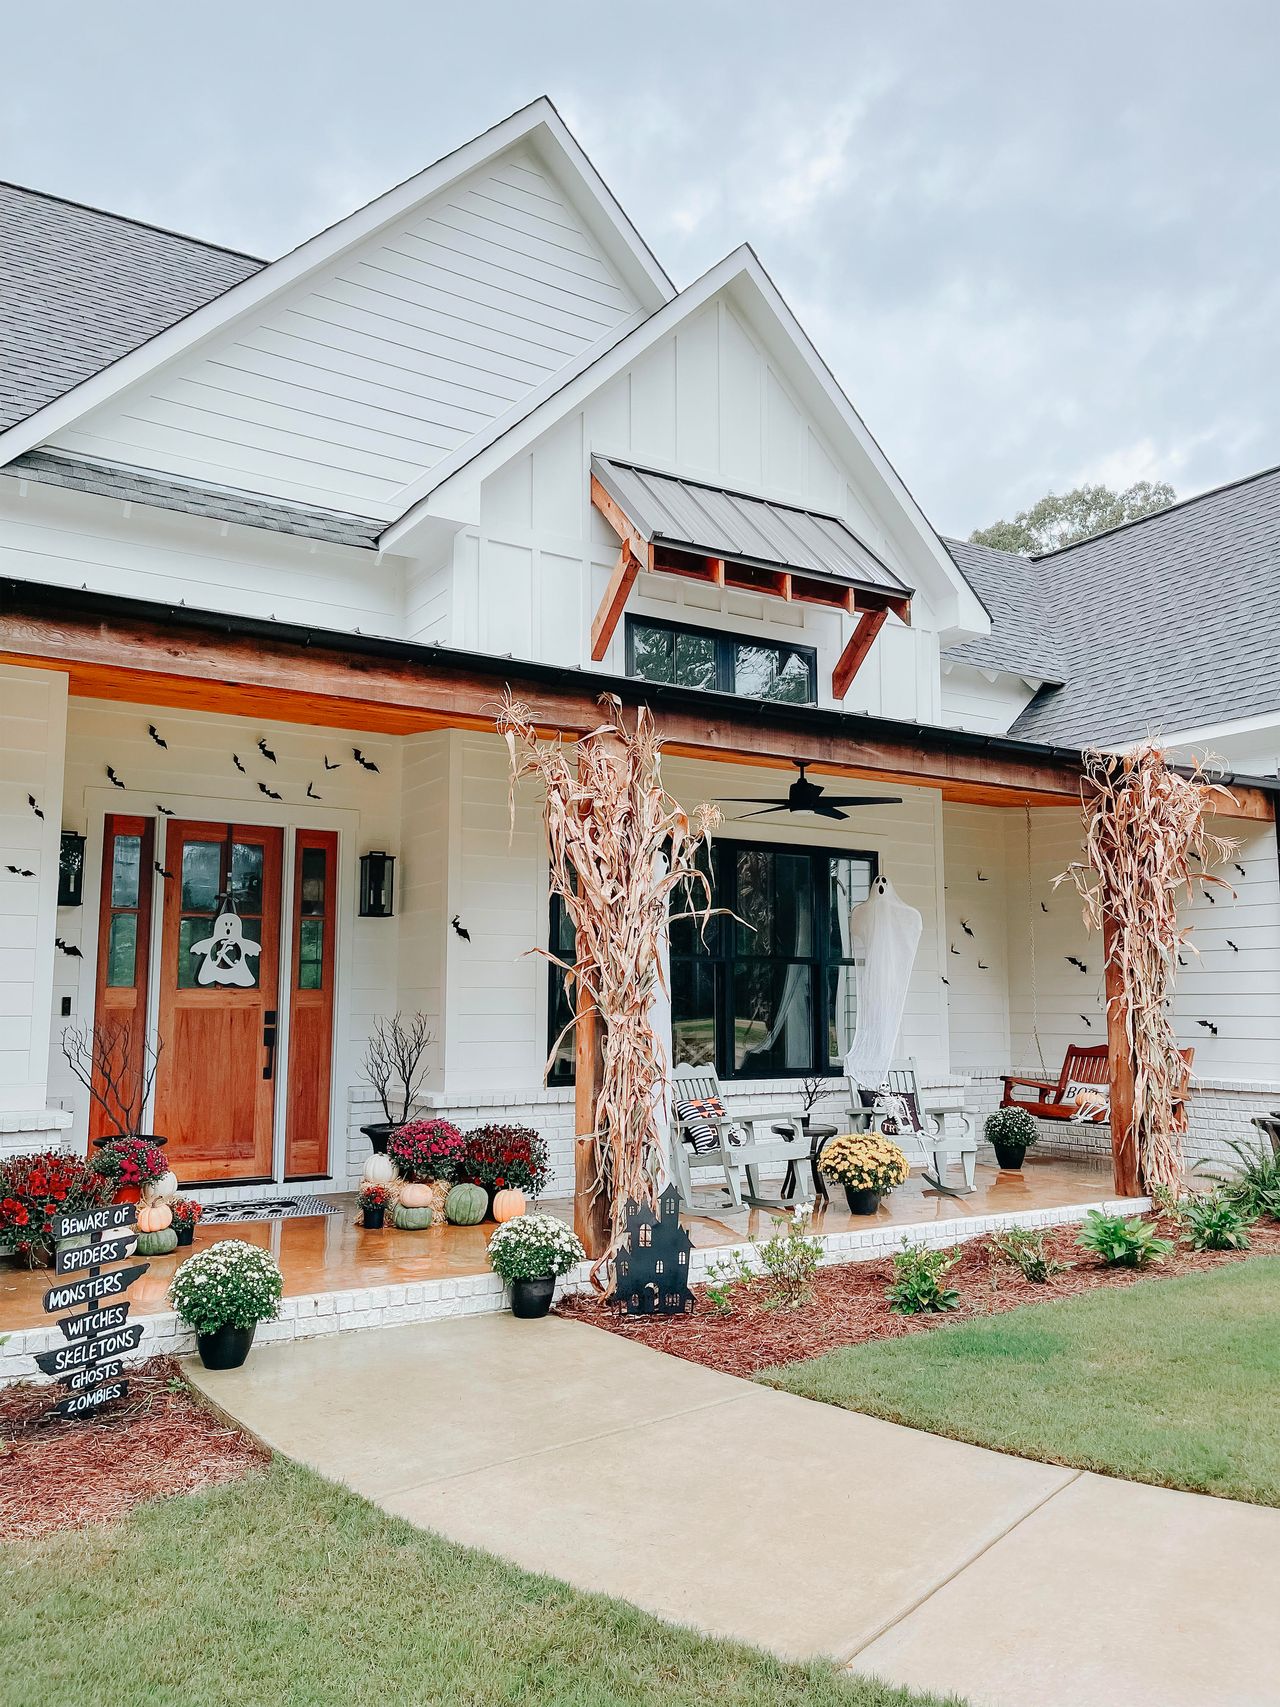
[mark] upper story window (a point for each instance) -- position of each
(732, 663)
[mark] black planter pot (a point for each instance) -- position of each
(378, 1133)
(226, 1347)
(373, 1219)
(861, 1201)
(147, 1138)
(532, 1298)
(185, 1234)
(1009, 1156)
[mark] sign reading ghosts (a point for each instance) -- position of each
(226, 954)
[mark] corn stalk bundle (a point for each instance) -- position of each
(1146, 852)
(620, 846)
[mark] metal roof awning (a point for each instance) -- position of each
(671, 525)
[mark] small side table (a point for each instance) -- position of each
(817, 1136)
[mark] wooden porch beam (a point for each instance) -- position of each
(854, 655)
(612, 604)
(1126, 1172)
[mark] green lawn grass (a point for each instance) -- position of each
(289, 1591)
(1167, 1381)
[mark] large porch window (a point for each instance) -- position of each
(769, 993)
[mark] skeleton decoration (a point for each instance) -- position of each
(886, 933)
(226, 953)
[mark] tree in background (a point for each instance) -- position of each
(1060, 519)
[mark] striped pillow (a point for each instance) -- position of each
(697, 1129)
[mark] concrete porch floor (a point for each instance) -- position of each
(330, 1253)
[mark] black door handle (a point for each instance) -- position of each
(269, 1042)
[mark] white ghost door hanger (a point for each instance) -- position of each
(226, 954)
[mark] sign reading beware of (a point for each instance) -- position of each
(103, 1220)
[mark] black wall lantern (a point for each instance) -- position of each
(71, 870)
(377, 885)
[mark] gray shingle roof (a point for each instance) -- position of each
(692, 515)
(79, 288)
(219, 503)
(1021, 641)
(1166, 624)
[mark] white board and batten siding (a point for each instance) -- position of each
(710, 401)
(348, 388)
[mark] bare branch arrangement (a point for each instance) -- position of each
(395, 1058)
(1146, 852)
(117, 1074)
(620, 846)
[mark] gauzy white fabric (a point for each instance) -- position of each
(886, 933)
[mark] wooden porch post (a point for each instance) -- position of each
(590, 1207)
(1125, 1170)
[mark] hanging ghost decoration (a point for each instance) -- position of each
(226, 954)
(886, 933)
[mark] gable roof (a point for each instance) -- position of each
(80, 288)
(1021, 641)
(1168, 623)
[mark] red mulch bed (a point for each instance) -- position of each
(56, 1473)
(849, 1307)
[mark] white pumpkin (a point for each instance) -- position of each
(165, 1186)
(379, 1170)
(417, 1194)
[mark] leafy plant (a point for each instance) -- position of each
(371, 1195)
(129, 1162)
(791, 1258)
(532, 1247)
(186, 1211)
(864, 1161)
(1254, 1186)
(33, 1189)
(1214, 1223)
(502, 1157)
(427, 1150)
(1027, 1249)
(723, 1276)
(1122, 1244)
(232, 1284)
(1014, 1127)
(919, 1272)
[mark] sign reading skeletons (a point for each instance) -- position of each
(226, 953)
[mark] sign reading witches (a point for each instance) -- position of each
(652, 1265)
(89, 1364)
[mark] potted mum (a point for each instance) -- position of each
(372, 1199)
(186, 1212)
(868, 1165)
(1011, 1132)
(426, 1155)
(529, 1254)
(130, 1167)
(33, 1189)
(223, 1293)
(505, 1158)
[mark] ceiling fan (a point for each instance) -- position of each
(806, 796)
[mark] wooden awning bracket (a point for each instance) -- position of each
(859, 643)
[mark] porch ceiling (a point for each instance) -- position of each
(146, 653)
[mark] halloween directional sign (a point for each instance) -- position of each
(97, 1320)
(92, 1287)
(97, 1332)
(79, 1404)
(102, 1220)
(83, 1352)
(97, 1254)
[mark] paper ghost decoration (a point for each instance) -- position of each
(226, 954)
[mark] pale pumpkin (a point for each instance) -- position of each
(165, 1186)
(154, 1217)
(417, 1194)
(159, 1244)
(379, 1170)
(508, 1204)
(412, 1220)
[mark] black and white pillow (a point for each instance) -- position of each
(699, 1132)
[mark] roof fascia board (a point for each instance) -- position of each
(538, 123)
(1256, 725)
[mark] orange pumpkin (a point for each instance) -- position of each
(154, 1217)
(416, 1194)
(508, 1204)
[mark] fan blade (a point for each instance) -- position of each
(749, 800)
(825, 811)
(765, 810)
(862, 800)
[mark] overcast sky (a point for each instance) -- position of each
(1037, 243)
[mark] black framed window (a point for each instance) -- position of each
(769, 992)
(560, 940)
(733, 663)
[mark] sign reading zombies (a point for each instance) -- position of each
(652, 1264)
(98, 1335)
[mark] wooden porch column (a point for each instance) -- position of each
(590, 1212)
(1125, 1170)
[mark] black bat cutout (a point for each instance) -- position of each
(982, 879)
(1072, 961)
(1232, 946)
(156, 736)
(269, 792)
(235, 760)
(330, 766)
(265, 750)
(982, 967)
(1208, 895)
(311, 793)
(966, 927)
(164, 811)
(31, 802)
(68, 948)
(460, 928)
(1043, 908)
(1086, 1020)
(1208, 1025)
(947, 982)
(954, 949)
(113, 779)
(360, 759)
(161, 869)
(19, 871)
(1240, 868)
(1181, 961)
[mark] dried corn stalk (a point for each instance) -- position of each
(1146, 851)
(620, 846)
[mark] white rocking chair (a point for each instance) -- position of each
(736, 1163)
(902, 1114)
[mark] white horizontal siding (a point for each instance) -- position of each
(349, 389)
(976, 967)
(972, 699)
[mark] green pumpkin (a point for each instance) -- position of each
(157, 1244)
(411, 1220)
(466, 1205)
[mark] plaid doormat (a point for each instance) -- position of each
(268, 1209)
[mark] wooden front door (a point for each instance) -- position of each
(219, 980)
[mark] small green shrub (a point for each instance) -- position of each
(791, 1259)
(1015, 1127)
(1120, 1243)
(1026, 1249)
(723, 1277)
(918, 1274)
(1214, 1223)
(1254, 1186)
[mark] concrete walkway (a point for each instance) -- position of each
(785, 1523)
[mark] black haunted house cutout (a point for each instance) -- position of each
(652, 1266)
